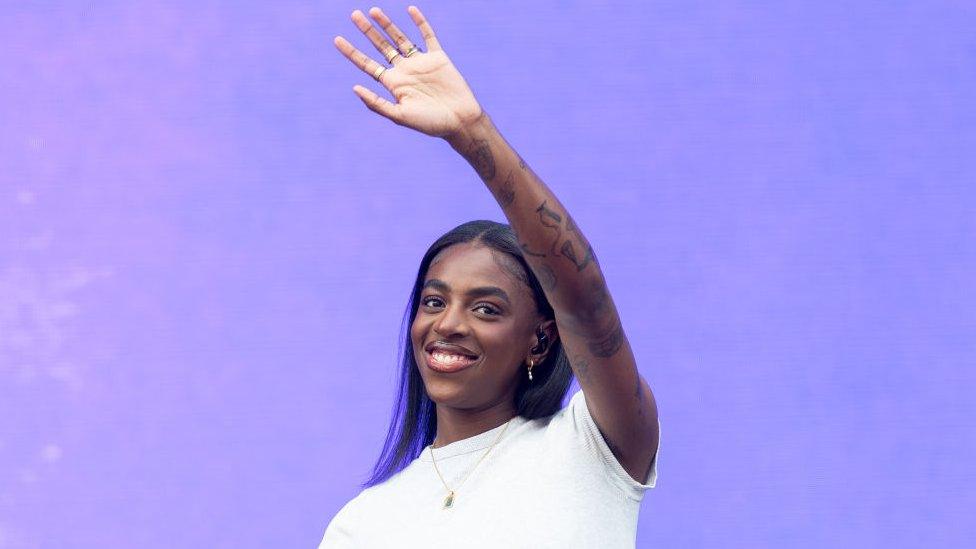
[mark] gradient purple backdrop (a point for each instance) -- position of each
(207, 243)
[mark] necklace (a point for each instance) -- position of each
(449, 500)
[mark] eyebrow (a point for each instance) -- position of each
(480, 291)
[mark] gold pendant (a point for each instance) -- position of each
(449, 500)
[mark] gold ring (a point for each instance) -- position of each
(395, 54)
(379, 72)
(413, 49)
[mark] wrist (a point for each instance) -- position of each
(474, 128)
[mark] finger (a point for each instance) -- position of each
(430, 40)
(376, 37)
(377, 104)
(402, 42)
(358, 58)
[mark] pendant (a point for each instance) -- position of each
(449, 500)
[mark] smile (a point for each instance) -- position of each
(441, 361)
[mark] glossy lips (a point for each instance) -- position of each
(448, 357)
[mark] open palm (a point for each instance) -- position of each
(430, 94)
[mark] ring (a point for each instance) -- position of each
(393, 55)
(413, 49)
(379, 72)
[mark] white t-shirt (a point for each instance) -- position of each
(549, 482)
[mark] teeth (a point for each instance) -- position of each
(448, 357)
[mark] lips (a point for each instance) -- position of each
(448, 357)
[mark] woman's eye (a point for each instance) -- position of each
(487, 309)
(436, 302)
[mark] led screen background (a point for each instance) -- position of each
(207, 243)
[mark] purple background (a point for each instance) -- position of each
(207, 242)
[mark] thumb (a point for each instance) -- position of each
(377, 104)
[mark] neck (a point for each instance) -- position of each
(454, 424)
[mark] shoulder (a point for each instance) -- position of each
(341, 531)
(347, 526)
(358, 515)
(574, 427)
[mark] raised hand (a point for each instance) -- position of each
(430, 94)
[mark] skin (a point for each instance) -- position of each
(499, 328)
(430, 96)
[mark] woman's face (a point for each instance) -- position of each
(474, 327)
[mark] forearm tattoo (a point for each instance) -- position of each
(581, 367)
(601, 324)
(479, 155)
(505, 193)
(607, 343)
(597, 322)
(565, 232)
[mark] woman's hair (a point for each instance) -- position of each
(413, 424)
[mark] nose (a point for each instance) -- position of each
(451, 323)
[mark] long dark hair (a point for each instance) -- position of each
(413, 424)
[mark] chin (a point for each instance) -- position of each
(439, 388)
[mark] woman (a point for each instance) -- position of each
(480, 454)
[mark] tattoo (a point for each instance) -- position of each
(525, 248)
(568, 250)
(581, 366)
(570, 253)
(506, 191)
(597, 322)
(571, 225)
(484, 162)
(526, 168)
(608, 343)
(547, 277)
(550, 219)
(597, 304)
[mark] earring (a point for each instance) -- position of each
(531, 364)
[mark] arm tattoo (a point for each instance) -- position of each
(596, 304)
(581, 367)
(571, 253)
(552, 220)
(481, 158)
(597, 321)
(525, 248)
(505, 194)
(606, 344)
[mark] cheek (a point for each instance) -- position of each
(505, 344)
(416, 332)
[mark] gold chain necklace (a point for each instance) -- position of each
(449, 500)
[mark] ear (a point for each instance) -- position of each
(543, 339)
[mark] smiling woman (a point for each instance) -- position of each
(500, 319)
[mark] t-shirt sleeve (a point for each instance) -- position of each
(593, 442)
(339, 533)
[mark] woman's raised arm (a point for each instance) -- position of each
(432, 97)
